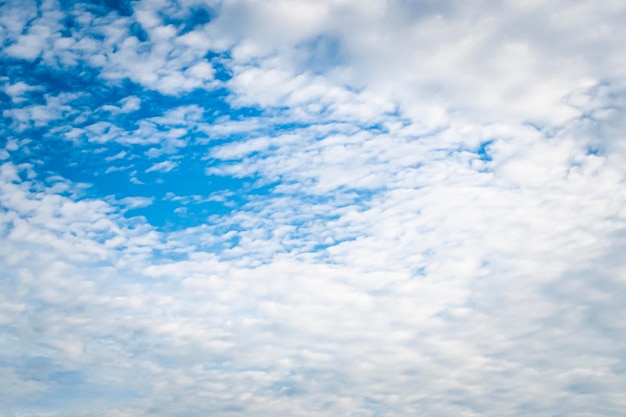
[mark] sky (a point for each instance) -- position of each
(302, 208)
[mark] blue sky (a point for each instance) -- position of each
(373, 208)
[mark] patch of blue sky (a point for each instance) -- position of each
(187, 180)
(100, 7)
(219, 62)
(483, 151)
(95, 92)
(168, 215)
(80, 160)
(52, 81)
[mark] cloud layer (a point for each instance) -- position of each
(355, 208)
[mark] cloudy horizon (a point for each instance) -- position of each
(378, 208)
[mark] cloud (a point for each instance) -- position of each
(119, 155)
(128, 105)
(164, 166)
(38, 115)
(404, 208)
(16, 91)
(136, 202)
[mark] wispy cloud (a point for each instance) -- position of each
(165, 166)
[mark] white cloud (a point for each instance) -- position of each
(119, 155)
(492, 63)
(130, 104)
(136, 202)
(164, 166)
(127, 105)
(400, 266)
(17, 90)
(37, 115)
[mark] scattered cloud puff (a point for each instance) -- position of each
(127, 105)
(16, 91)
(380, 208)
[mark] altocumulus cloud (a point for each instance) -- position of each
(357, 208)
